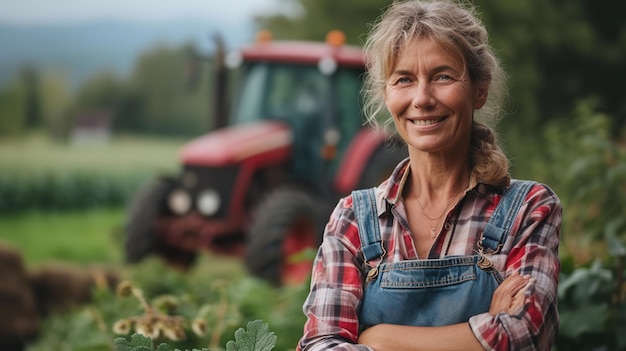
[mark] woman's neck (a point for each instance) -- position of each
(435, 179)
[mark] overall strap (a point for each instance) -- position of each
(499, 225)
(364, 204)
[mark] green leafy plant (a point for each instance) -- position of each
(139, 342)
(592, 305)
(588, 169)
(257, 337)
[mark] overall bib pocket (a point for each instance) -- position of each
(428, 292)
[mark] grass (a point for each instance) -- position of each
(123, 154)
(83, 237)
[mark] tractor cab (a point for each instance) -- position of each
(313, 88)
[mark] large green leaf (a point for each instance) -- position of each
(137, 342)
(586, 319)
(256, 338)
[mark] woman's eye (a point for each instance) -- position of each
(403, 80)
(443, 77)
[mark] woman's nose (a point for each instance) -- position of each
(423, 97)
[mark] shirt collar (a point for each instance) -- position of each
(394, 185)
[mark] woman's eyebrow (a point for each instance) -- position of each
(437, 69)
(401, 72)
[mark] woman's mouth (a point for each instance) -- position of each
(427, 122)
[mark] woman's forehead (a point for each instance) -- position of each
(426, 51)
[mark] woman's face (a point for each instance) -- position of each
(431, 98)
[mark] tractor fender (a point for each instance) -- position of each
(356, 158)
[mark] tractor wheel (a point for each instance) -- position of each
(287, 222)
(145, 207)
(381, 164)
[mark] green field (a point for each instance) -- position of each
(124, 154)
(79, 237)
(82, 236)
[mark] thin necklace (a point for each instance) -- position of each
(436, 219)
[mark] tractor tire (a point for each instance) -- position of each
(381, 164)
(145, 207)
(286, 222)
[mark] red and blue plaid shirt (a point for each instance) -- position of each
(531, 248)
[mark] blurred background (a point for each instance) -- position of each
(98, 98)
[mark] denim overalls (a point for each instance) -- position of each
(431, 292)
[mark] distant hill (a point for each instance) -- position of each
(81, 50)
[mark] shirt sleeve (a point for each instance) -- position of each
(535, 235)
(336, 290)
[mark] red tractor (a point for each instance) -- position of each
(263, 183)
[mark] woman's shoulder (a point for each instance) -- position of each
(538, 191)
(534, 194)
(540, 202)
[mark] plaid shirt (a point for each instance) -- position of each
(531, 248)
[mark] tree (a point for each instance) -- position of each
(114, 96)
(313, 19)
(167, 105)
(55, 103)
(12, 108)
(20, 103)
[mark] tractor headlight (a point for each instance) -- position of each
(208, 202)
(179, 201)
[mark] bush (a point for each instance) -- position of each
(223, 298)
(587, 169)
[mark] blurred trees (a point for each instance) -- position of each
(156, 99)
(555, 51)
(312, 19)
(12, 109)
(55, 100)
(168, 105)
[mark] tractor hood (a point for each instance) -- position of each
(235, 144)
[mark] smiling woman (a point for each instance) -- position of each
(451, 209)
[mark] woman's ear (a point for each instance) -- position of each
(481, 93)
(481, 97)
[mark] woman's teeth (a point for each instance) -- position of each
(426, 122)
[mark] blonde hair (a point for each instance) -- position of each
(452, 25)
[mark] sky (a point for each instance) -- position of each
(34, 12)
(44, 32)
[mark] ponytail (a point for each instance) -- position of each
(489, 163)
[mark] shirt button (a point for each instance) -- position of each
(447, 226)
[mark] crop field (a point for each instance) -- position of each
(83, 237)
(122, 155)
(42, 168)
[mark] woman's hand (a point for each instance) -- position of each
(510, 296)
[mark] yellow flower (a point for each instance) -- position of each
(122, 326)
(147, 329)
(124, 288)
(199, 326)
(174, 333)
(166, 303)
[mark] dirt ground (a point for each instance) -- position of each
(28, 296)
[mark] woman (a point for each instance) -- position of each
(436, 277)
